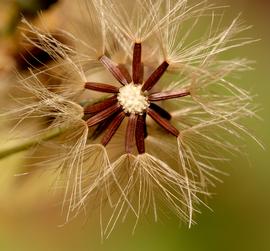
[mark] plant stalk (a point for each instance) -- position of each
(23, 146)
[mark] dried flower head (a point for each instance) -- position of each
(144, 108)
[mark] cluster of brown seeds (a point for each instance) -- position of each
(113, 110)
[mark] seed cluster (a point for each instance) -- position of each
(132, 99)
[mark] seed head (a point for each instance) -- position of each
(159, 111)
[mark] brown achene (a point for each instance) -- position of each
(111, 109)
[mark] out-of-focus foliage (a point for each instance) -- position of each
(12, 10)
(32, 6)
(14, 49)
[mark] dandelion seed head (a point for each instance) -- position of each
(114, 83)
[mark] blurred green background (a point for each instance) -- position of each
(241, 217)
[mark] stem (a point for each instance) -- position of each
(53, 133)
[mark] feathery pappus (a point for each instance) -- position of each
(143, 107)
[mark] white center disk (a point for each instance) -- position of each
(132, 100)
